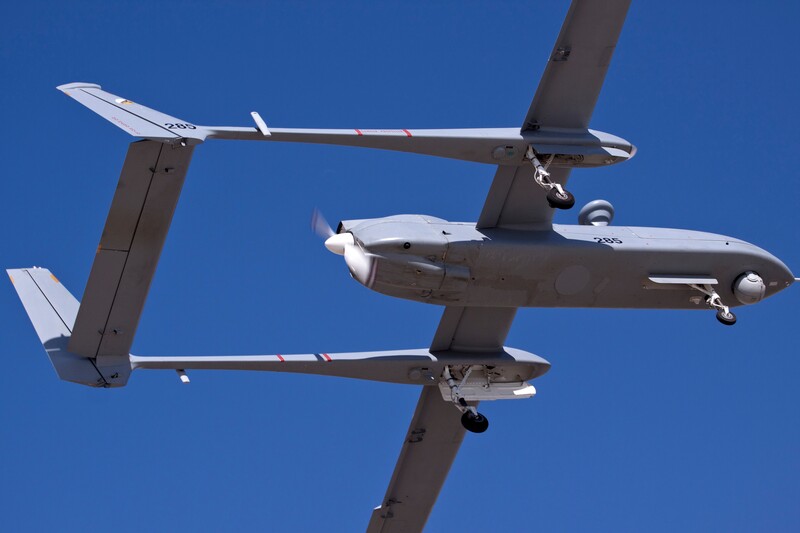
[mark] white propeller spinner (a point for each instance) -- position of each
(360, 263)
(338, 242)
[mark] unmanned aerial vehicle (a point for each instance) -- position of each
(480, 272)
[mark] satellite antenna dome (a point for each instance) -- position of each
(596, 213)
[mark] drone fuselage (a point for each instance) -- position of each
(430, 260)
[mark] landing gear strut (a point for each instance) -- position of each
(471, 419)
(557, 196)
(713, 301)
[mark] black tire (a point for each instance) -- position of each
(560, 201)
(474, 423)
(728, 319)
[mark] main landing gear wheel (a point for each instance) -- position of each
(476, 423)
(726, 318)
(471, 419)
(557, 196)
(560, 200)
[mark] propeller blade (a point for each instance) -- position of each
(320, 226)
(361, 264)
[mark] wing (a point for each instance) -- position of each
(135, 231)
(516, 201)
(431, 445)
(435, 433)
(565, 98)
(473, 329)
(577, 67)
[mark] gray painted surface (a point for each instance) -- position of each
(429, 449)
(136, 228)
(133, 118)
(574, 147)
(52, 310)
(577, 67)
(516, 201)
(456, 264)
(411, 367)
(473, 329)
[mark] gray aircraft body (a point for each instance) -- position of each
(481, 272)
(430, 260)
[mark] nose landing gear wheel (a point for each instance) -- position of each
(476, 423)
(713, 301)
(559, 200)
(726, 318)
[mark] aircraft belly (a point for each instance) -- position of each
(585, 266)
(570, 266)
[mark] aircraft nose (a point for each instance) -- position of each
(633, 151)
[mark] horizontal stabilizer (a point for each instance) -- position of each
(126, 259)
(133, 118)
(52, 310)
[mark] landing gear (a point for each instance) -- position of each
(557, 196)
(476, 423)
(560, 200)
(724, 314)
(728, 318)
(471, 419)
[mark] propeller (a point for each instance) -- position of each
(320, 226)
(360, 263)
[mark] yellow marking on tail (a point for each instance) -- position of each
(54, 278)
(11, 278)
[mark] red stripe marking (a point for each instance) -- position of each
(281, 358)
(326, 356)
(407, 132)
(359, 132)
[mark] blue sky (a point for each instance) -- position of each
(648, 420)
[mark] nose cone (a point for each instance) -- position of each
(337, 243)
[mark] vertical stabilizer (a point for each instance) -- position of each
(52, 310)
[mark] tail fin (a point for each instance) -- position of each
(52, 310)
(133, 118)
